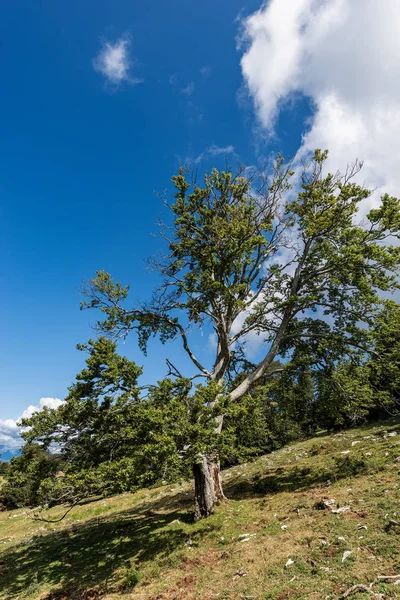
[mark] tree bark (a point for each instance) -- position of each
(207, 485)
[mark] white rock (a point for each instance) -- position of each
(283, 527)
(345, 452)
(346, 554)
(356, 442)
(245, 537)
(342, 509)
(330, 502)
(289, 562)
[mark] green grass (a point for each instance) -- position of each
(145, 545)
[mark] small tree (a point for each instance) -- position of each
(384, 364)
(286, 265)
(26, 472)
(362, 385)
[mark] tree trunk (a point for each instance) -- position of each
(207, 485)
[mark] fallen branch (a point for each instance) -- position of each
(36, 516)
(360, 587)
(368, 588)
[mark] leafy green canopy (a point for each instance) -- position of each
(25, 474)
(364, 385)
(250, 254)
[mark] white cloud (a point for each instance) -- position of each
(212, 151)
(271, 62)
(252, 340)
(9, 436)
(345, 56)
(10, 431)
(114, 62)
(31, 409)
(189, 89)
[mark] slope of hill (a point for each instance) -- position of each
(309, 521)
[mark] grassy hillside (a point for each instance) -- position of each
(308, 521)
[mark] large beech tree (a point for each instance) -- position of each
(290, 263)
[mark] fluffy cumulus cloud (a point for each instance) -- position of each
(345, 56)
(10, 439)
(114, 62)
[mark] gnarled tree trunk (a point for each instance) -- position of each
(207, 485)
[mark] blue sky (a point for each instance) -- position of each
(86, 142)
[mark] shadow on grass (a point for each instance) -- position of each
(320, 470)
(297, 478)
(78, 562)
